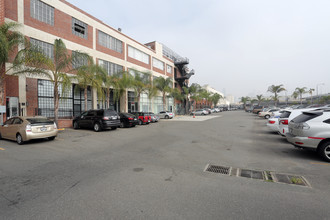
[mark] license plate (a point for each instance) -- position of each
(135, 119)
(43, 129)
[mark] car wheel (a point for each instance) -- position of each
(203, 114)
(140, 122)
(51, 138)
(133, 126)
(122, 124)
(19, 139)
(97, 127)
(324, 151)
(267, 116)
(113, 128)
(166, 117)
(75, 125)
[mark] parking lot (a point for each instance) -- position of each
(157, 171)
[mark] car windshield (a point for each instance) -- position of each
(39, 121)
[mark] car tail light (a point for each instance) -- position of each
(300, 143)
(55, 126)
(284, 122)
(130, 118)
(28, 128)
(303, 126)
(106, 118)
(271, 122)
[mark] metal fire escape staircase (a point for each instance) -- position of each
(182, 65)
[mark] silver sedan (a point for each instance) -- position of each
(311, 130)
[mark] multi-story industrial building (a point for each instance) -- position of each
(47, 20)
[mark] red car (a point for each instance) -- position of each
(144, 117)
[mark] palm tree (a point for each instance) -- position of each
(122, 81)
(244, 100)
(215, 98)
(9, 40)
(54, 69)
(140, 85)
(310, 91)
(276, 89)
(90, 75)
(260, 99)
(177, 95)
(164, 86)
(300, 92)
(192, 93)
(108, 82)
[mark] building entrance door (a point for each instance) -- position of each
(12, 107)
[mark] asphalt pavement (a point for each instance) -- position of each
(156, 171)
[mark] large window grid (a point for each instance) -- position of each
(111, 68)
(145, 77)
(145, 103)
(42, 11)
(158, 104)
(46, 48)
(138, 55)
(79, 100)
(79, 28)
(79, 60)
(157, 63)
(46, 100)
(110, 42)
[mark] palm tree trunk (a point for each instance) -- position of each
(56, 103)
(108, 98)
(164, 101)
(138, 101)
(85, 96)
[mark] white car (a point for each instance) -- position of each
(166, 114)
(287, 116)
(272, 124)
(311, 129)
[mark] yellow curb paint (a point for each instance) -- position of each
(61, 129)
(328, 164)
(1, 148)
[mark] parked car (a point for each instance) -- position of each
(154, 118)
(166, 114)
(97, 119)
(128, 120)
(199, 112)
(311, 129)
(24, 129)
(286, 117)
(267, 113)
(143, 117)
(257, 109)
(273, 124)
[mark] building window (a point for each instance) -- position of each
(138, 55)
(158, 64)
(42, 11)
(46, 100)
(79, 60)
(79, 100)
(79, 28)
(143, 76)
(46, 48)
(145, 103)
(111, 68)
(169, 69)
(110, 42)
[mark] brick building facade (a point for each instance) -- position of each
(43, 22)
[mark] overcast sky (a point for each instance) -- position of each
(237, 46)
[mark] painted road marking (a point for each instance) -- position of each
(2, 148)
(318, 163)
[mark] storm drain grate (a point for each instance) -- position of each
(290, 179)
(218, 169)
(253, 174)
(268, 176)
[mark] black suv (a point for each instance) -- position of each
(97, 119)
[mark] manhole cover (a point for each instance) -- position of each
(218, 169)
